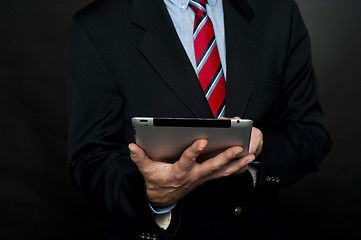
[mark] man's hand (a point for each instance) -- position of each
(256, 142)
(167, 183)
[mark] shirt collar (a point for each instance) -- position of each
(183, 4)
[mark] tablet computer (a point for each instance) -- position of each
(165, 139)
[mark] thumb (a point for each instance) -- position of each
(137, 155)
(190, 155)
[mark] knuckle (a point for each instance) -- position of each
(193, 179)
(178, 177)
(215, 167)
(229, 154)
(189, 156)
(224, 155)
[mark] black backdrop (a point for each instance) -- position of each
(37, 200)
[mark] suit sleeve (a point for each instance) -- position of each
(295, 144)
(100, 165)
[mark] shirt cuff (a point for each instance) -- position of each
(162, 210)
(254, 172)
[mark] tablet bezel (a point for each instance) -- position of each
(165, 139)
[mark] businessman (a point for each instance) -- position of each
(206, 59)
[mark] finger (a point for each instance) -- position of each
(138, 156)
(230, 118)
(242, 170)
(218, 162)
(189, 156)
(259, 149)
(239, 166)
(256, 142)
(234, 167)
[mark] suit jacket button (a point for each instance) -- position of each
(237, 211)
(272, 179)
(148, 236)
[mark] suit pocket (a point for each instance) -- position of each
(266, 88)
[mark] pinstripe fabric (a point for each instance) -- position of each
(209, 68)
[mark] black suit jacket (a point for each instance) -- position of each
(125, 60)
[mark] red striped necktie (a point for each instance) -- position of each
(209, 67)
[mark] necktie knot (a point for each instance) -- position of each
(198, 6)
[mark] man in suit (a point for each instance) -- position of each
(128, 58)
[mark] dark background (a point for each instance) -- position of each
(37, 200)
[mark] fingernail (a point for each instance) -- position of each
(250, 159)
(202, 144)
(131, 150)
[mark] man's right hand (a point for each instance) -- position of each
(166, 183)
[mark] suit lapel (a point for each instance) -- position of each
(243, 51)
(164, 51)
